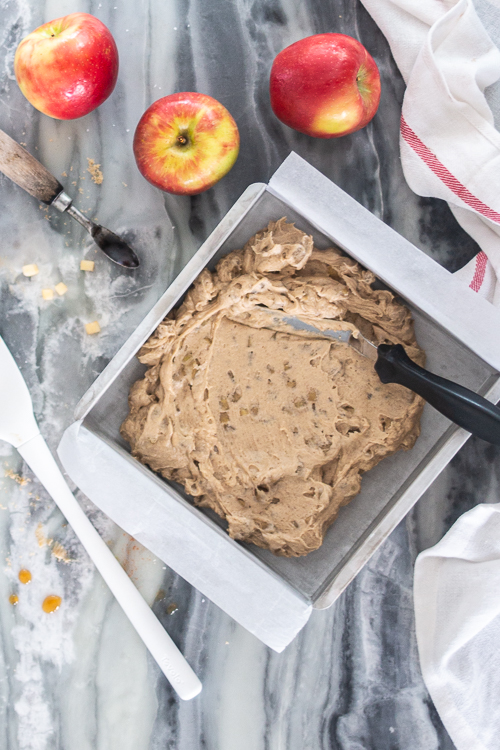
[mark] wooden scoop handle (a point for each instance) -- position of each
(23, 169)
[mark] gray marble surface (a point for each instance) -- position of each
(80, 679)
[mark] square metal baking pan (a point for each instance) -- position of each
(273, 596)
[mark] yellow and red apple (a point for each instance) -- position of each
(326, 85)
(67, 67)
(185, 143)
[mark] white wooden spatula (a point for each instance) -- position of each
(19, 428)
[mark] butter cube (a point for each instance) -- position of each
(87, 265)
(47, 294)
(30, 270)
(61, 288)
(92, 328)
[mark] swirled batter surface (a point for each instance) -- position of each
(273, 431)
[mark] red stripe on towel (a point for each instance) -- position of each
(480, 270)
(445, 175)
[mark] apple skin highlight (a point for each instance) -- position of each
(326, 86)
(67, 67)
(185, 143)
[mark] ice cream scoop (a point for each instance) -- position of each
(27, 172)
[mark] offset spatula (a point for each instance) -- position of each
(19, 428)
(464, 407)
(27, 172)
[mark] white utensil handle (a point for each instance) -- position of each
(170, 660)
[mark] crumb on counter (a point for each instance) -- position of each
(31, 269)
(47, 294)
(87, 265)
(16, 477)
(92, 328)
(95, 171)
(61, 288)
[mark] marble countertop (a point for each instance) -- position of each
(80, 679)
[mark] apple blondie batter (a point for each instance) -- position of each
(271, 430)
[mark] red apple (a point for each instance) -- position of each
(184, 143)
(326, 85)
(68, 67)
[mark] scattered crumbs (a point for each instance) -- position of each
(92, 328)
(80, 190)
(124, 184)
(172, 608)
(64, 174)
(20, 480)
(30, 270)
(60, 553)
(95, 172)
(47, 294)
(87, 265)
(40, 536)
(13, 599)
(160, 595)
(74, 182)
(61, 288)
(227, 643)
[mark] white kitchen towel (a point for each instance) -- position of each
(457, 603)
(450, 149)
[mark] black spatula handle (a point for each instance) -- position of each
(462, 406)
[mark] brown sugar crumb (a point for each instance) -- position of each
(16, 477)
(60, 553)
(95, 172)
(13, 599)
(40, 536)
